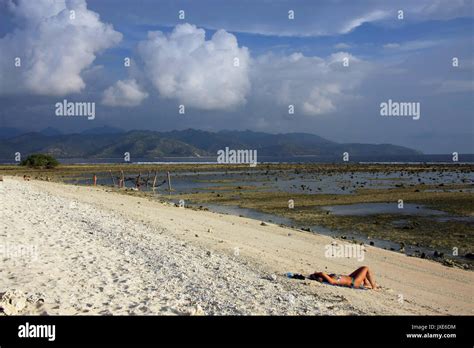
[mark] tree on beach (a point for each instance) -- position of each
(39, 160)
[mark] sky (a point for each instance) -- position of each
(214, 65)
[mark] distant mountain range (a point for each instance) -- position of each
(109, 142)
(8, 132)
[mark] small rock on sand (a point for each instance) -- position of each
(12, 302)
(197, 310)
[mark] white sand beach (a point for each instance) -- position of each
(88, 250)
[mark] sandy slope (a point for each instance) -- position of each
(101, 252)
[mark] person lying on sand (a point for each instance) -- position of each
(361, 278)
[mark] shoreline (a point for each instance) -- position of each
(265, 252)
(347, 237)
(426, 237)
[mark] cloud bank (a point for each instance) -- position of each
(312, 18)
(56, 41)
(314, 85)
(201, 73)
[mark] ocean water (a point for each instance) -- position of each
(440, 158)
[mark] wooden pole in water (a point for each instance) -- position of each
(169, 182)
(113, 180)
(137, 183)
(154, 180)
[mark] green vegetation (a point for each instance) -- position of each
(186, 143)
(40, 160)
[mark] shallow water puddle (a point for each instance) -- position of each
(361, 209)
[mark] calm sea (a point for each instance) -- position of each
(441, 158)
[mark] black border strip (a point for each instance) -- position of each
(134, 330)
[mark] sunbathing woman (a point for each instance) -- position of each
(360, 278)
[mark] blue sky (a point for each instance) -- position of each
(281, 62)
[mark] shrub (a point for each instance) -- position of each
(39, 160)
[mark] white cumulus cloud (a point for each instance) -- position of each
(205, 74)
(54, 44)
(314, 85)
(124, 93)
